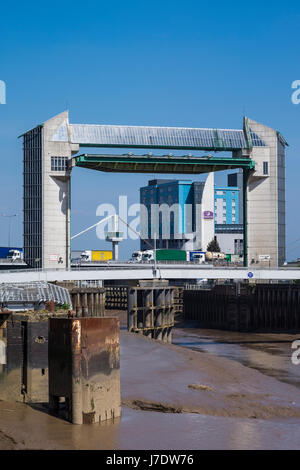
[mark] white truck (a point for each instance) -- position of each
(197, 257)
(136, 257)
(212, 256)
(15, 255)
(148, 255)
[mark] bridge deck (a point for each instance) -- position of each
(162, 271)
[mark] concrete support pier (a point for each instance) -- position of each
(151, 310)
(84, 368)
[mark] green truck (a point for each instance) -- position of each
(171, 255)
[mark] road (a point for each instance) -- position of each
(129, 271)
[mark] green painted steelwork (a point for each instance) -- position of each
(171, 164)
(161, 164)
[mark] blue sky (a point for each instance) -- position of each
(191, 63)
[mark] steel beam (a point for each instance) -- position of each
(161, 164)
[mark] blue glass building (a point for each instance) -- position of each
(183, 193)
(188, 197)
(227, 205)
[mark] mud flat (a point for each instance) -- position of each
(173, 398)
(189, 381)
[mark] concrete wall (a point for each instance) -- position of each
(56, 197)
(266, 200)
(208, 204)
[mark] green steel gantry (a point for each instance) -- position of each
(170, 164)
(161, 164)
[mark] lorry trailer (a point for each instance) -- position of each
(96, 255)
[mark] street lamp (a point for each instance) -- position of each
(9, 225)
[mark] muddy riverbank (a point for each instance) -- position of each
(269, 353)
(173, 398)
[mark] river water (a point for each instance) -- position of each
(269, 353)
(145, 377)
(32, 429)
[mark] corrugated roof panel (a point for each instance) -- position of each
(160, 137)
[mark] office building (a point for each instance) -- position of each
(227, 205)
(179, 214)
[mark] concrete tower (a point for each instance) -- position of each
(265, 196)
(47, 194)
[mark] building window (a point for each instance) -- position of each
(59, 163)
(265, 168)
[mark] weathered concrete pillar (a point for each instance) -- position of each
(168, 310)
(90, 304)
(91, 387)
(148, 312)
(85, 310)
(164, 335)
(131, 309)
(73, 300)
(75, 394)
(159, 307)
(102, 296)
(78, 309)
(94, 304)
(97, 306)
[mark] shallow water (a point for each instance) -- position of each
(150, 430)
(269, 353)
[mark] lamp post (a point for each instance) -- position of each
(9, 224)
